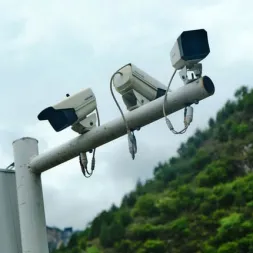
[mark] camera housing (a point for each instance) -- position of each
(190, 48)
(136, 86)
(72, 111)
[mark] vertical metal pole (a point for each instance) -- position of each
(30, 198)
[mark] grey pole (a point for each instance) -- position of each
(30, 198)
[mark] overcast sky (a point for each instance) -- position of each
(53, 47)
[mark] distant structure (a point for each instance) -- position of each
(67, 233)
(58, 238)
(53, 237)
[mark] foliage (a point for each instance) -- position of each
(198, 201)
(153, 246)
(92, 249)
(145, 206)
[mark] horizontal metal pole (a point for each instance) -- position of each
(144, 115)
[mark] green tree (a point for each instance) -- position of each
(73, 242)
(145, 206)
(125, 217)
(222, 134)
(105, 237)
(241, 92)
(229, 248)
(229, 228)
(211, 122)
(153, 246)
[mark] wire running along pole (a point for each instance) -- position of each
(144, 115)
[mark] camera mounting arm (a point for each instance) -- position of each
(196, 70)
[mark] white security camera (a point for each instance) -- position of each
(190, 48)
(136, 87)
(72, 111)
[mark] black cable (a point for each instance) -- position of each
(11, 166)
(83, 158)
(132, 143)
(168, 122)
(117, 103)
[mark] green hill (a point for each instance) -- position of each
(199, 201)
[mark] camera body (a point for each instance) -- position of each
(72, 111)
(136, 86)
(190, 48)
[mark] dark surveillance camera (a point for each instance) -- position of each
(190, 48)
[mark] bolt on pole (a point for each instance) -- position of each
(30, 198)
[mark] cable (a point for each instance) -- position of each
(10, 167)
(83, 160)
(132, 143)
(122, 114)
(187, 111)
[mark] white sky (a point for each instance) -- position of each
(50, 48)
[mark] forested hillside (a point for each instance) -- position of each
(199, 201)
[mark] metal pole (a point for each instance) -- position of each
(146, 114)
(10, 240)
(30, 198)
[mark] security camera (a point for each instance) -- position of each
(136, 87)
(72, 111)
(190, 48)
